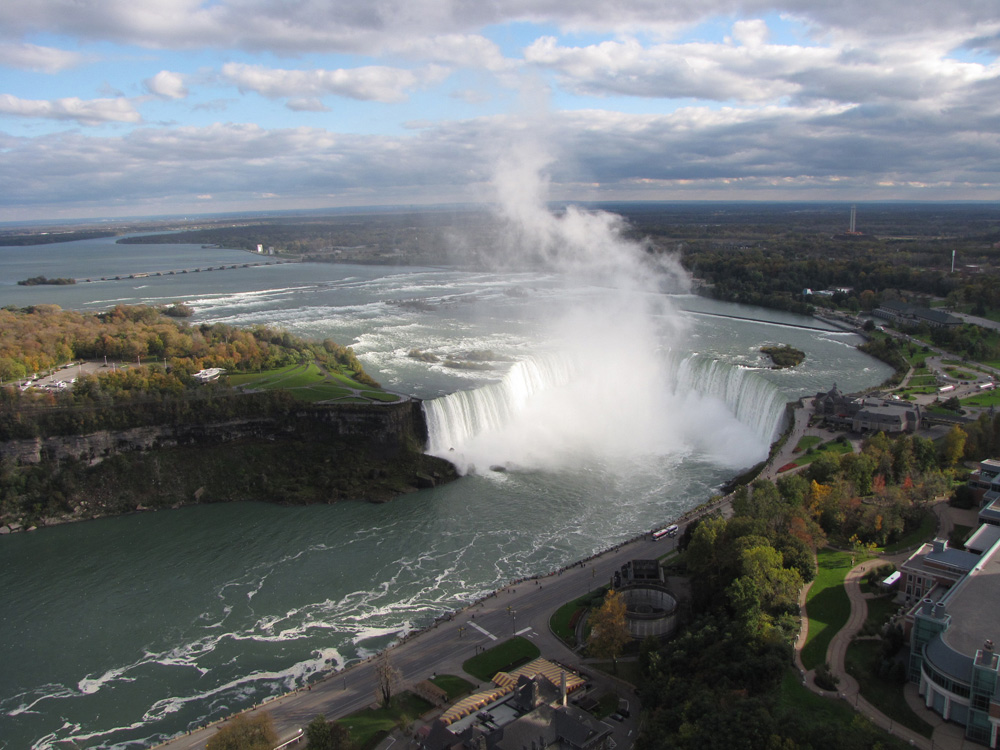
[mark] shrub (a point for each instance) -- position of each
(825, 679)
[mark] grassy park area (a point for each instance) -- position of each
(456, 687)
(827, 604)
(370, 725)
(915, 537)
(886, 694)
(811, 447)
(563, 621)
(503, 658)
(307, 382)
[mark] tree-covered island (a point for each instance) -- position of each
(784, 356)
(133, 409)
(44, 280)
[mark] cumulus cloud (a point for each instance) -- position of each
(351, 26)
(695, 152)
(43, 59)
(167, 85)
(85, 112)
(306, 105)
(459, 50)
(752, 71)
(371, 83)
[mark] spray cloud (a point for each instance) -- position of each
(607, 391)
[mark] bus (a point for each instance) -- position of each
(946, 389)
(669, 531)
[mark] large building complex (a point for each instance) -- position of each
(861, 413)
(903, 314)
(954, 623)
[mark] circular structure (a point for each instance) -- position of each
(649, 610)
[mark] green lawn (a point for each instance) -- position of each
(880, 610)
(834, 446)
(922, 533)
(827, 604)
(861, 660)
(607, 704)
(265, 378)
(455, 686)
(960, 374)
(380, 396)
(292, 376)
(984, 398)
(795, 698)
(346, 380)
(807, 441)
(307, 382)
(508, 655)
(371, 724)
(560, 623)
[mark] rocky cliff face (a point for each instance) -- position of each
(302, 455)
(385, 428)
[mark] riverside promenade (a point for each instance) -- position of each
(522, 608)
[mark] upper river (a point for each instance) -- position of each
(122, 632)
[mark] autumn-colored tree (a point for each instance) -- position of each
(245, 733)
(952, 447)
(609, 629)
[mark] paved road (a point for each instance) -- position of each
(444, 647)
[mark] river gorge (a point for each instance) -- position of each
(573, 432)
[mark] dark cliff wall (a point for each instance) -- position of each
(385, 429)
(308, 454)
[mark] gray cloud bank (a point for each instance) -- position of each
(897, 99)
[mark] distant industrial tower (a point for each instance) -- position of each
(853, 229)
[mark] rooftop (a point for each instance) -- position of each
(985, 537)
(972, 606)
(934, 556)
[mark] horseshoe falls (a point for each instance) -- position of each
(554, 411)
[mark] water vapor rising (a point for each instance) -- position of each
(607, 390)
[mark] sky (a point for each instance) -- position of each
(116, 108)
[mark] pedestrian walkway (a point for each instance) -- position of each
(946, 736)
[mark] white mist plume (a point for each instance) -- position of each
(608, 391)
